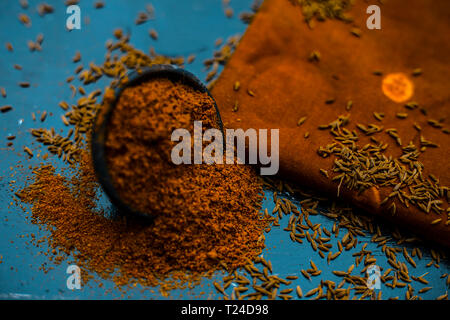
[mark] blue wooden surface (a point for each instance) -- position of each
(184, 27)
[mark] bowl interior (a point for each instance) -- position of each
(99, 131)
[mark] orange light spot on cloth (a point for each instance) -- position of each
(397, 87)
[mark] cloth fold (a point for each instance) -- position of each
(272, 61)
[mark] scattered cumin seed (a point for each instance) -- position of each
(301, 121)
(311, 292)
(24, 84)
(73, 89)
(236, 107)
(71, 2)
(378, 115)
(43, 116)
(9, 47)
(40, 38)
(434, 123)
(219, 288)
(99, 5)
(305, 274)
(411, 105)
(299, 291)
(44, 9)
(417, 72)
(142, 18)
(5, 109)
(324, 172)
(64, 105)
(443, 297)
(28, 151)
(423, 290)
(417, 126)
(64, 120)
(25, 19)
(118, 33)
(436, 221)
(286, 291)
(153, 34)
(77, 57)
(349, 105)
(246, 17)
(78, 69)
(229, 12)
(356, 32)
(31, 45)
(24, 4)
(314, 56)
(150, 10)
(190, 59)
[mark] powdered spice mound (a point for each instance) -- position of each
(138, 145)
(218, 225)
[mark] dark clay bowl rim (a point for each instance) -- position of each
(99, 130)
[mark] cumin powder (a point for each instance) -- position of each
(138, 143)
(206, 216)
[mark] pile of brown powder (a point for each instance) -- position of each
(219, 225)
(210, 217)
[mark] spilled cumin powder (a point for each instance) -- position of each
(211, 217)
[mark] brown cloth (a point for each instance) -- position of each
(272, 61)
